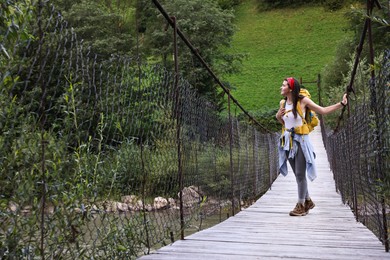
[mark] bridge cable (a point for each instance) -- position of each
(196, 53)
(359, 48)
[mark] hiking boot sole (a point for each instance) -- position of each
(293, 214)
(312, 205)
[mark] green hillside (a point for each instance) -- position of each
(295, 42)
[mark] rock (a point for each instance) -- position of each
(190, 196)
(122, 207)
(13, 206)
(26, 210)
(160, 203)
(110, 206)
(95, 209)
(136, 206)
(139, 205)
(148, 207)
(172, 202)
(129, 199)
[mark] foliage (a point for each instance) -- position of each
(333, 72)
(295, 42)
(268, 120)
(213, 162)
(208, 27)
(105, 26)
(14, 127)
(336, 74)
(228, 4)
(120, 241)
(14, 23)
(14, 16)
(332, 5)
(380, 23)
(271, 4)
(99, 144)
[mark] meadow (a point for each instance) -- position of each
(296, 42)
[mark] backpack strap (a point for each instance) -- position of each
(298, 130)
(284, 103)
(299, 110)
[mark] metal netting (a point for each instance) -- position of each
(359, 152)
(105, 158)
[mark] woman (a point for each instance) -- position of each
(296, 148)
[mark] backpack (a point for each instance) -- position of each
(311, 119)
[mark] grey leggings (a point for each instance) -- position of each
(298, 165)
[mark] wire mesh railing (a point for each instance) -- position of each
(106, 158)
(359, 153)
(111, 158)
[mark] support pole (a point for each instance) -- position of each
(178, 126)
(231, 156)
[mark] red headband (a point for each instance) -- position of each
(291, 83)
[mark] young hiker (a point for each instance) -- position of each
(295, 143)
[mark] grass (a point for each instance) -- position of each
(295, 42)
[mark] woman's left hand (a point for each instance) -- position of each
(345, 99)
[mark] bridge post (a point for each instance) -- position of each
(178, 126)
(42, 116)
(231, 154)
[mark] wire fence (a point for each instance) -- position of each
(110, 158)
(359, 152)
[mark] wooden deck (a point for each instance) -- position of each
(266, 231)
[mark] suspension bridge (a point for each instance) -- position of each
(266, 231)
(114, 158)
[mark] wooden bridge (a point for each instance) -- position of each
(266, 231)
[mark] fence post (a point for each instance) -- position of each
(255, 154)
(144, 180)
(319, 89)
(231, 154)
(178, 126)
(270, 160)
(42, 119)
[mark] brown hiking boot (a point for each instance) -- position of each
(299, 210)
(309, 204)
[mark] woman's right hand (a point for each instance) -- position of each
(281, 112)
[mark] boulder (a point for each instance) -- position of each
(122, 207)
(172, 202)
(190, 196)
(160, 203)
(110, 206)
(129, 199)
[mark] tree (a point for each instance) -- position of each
(380, 23)
(14, 17)
(106, 27)
(208, 27)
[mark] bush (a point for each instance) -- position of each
(333, 4)
(228, 4)
(334, 72)
(270, 4)
(268, 120)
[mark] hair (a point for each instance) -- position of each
(295, 94)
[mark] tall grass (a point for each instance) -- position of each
(296, 42)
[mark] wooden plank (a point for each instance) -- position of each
(266, 231)
(193, 249)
